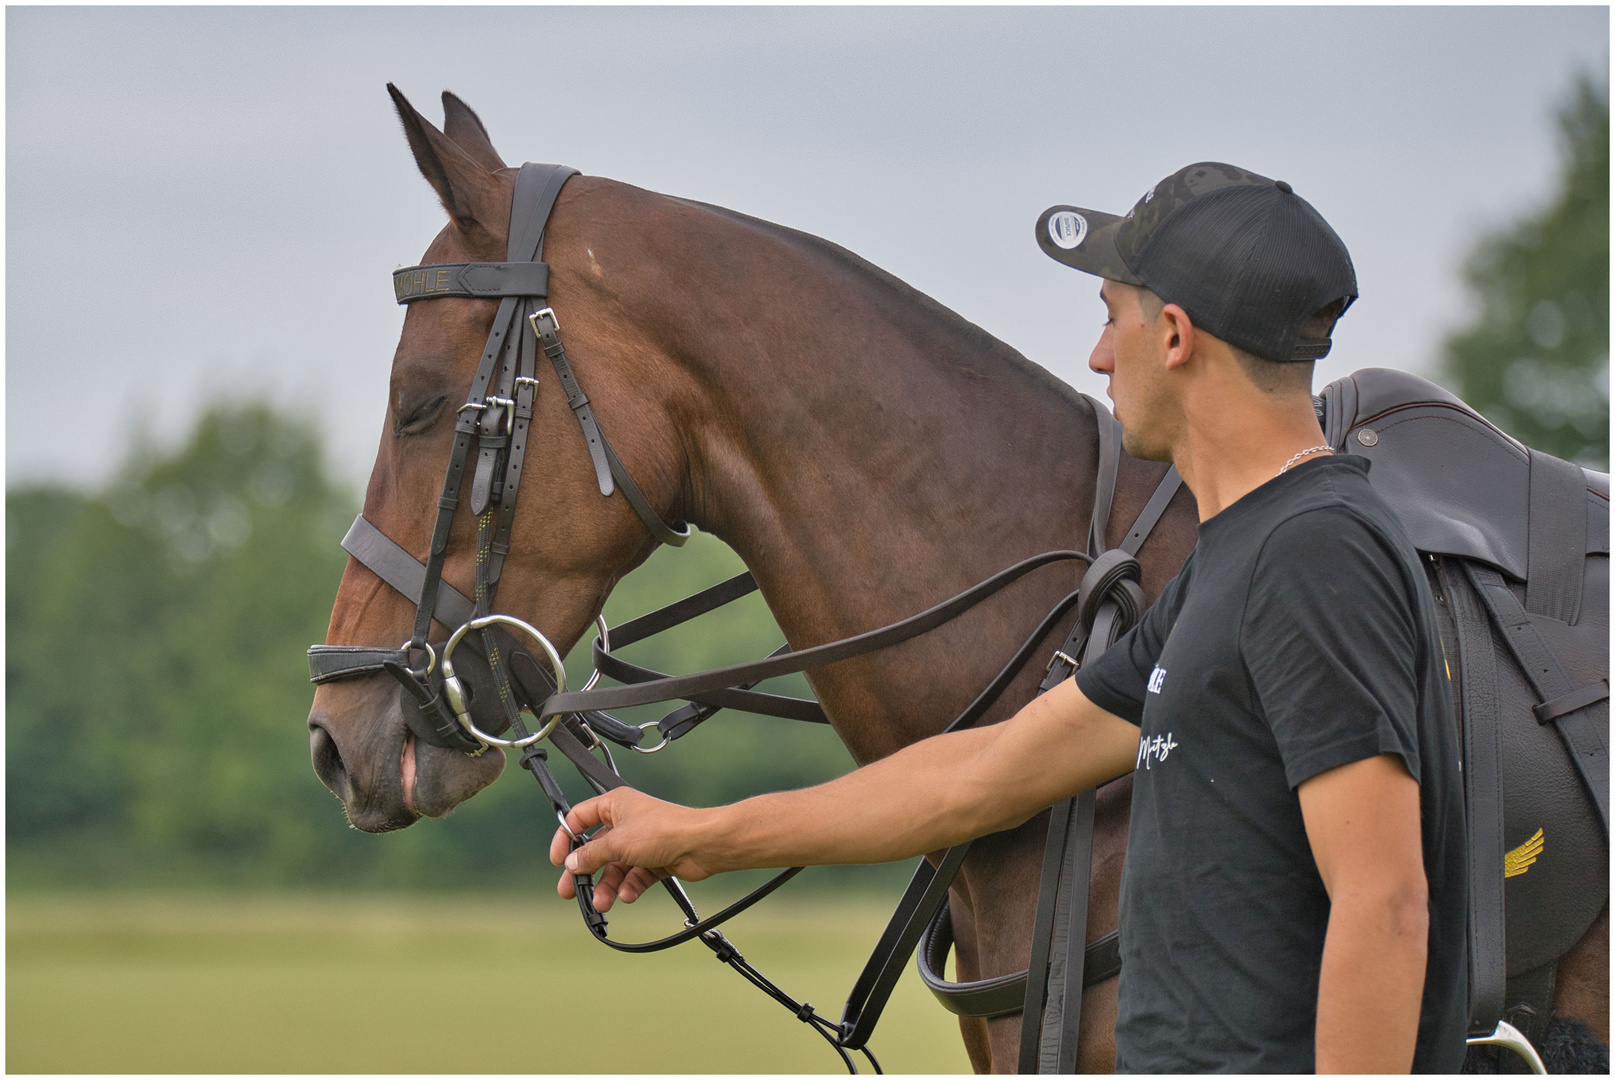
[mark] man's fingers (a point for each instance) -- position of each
(607, 887)
(636, 883)
(588, 814)
(598, 852)
(560, 845)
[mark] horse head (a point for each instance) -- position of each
(569, 544)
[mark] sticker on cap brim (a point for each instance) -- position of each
(1067, 229)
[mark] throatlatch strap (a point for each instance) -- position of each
(608, 468)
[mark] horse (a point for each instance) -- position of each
(864, 450)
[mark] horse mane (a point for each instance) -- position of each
(918, 311)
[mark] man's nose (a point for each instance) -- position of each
(1102, 361)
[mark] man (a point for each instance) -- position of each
(1293, 897)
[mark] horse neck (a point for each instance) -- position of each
(877, 466)
(868, 453)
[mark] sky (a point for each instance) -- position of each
(207, 203)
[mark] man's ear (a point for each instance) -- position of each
(1178, 333)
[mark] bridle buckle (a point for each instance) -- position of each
(1060, 655)
(544, 313)
(509, 405)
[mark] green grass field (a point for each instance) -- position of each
(465, 984)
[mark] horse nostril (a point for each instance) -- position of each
(328, 761)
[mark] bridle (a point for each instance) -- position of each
(497, 416)
(469, 703)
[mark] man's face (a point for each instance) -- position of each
(1131, 351)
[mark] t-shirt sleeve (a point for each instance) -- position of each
(1116, 679)
(1331, 645)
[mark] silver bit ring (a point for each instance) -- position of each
(463, 714)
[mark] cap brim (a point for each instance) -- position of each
(1084, 240)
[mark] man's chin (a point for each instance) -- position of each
(1143, 449)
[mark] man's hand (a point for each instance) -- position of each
(935, 793)
(1362, 820)
(642, 840)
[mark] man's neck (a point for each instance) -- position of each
(1232, 444)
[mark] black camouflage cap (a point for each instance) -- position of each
(1246, 257)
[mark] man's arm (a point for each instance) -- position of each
(935, 793)
(1362, 820)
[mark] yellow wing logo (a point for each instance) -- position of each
(1520, 859)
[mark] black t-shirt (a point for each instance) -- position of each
(1300, 636)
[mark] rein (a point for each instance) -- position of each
(469, 707)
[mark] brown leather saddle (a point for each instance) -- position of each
(1517, 549)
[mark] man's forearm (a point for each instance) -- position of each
(917, 800)
(1362, 821)
(937, 792)
(1372, 983)
(933, 794)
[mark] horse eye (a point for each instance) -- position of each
(420, 417)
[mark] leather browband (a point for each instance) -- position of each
(488, 280)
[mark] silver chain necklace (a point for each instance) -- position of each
(1325, 448)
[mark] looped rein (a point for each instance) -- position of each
(1113, 576)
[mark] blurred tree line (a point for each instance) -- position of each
(157, 690)
(1535, 358)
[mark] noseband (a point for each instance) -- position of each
(466, 703)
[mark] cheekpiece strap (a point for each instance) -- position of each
(487, 280)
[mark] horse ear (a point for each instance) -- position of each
(465, 128)
(469, 192)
